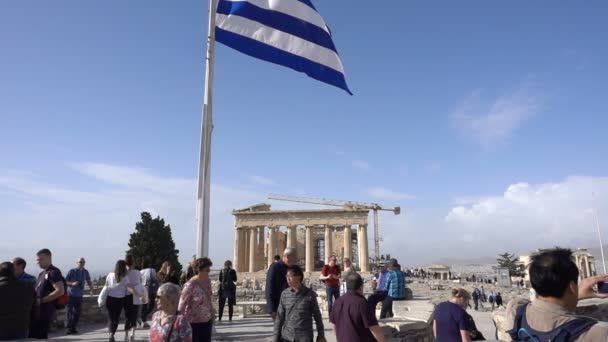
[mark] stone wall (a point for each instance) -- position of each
(413, 321)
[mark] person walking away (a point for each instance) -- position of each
(150, 281)
(276, 280)
(498, 300)
(483, 296)
(396, 290)
(381, 291)
(476, 295)
(330, 274)
(348, 269)
(75, 281)
(118, 286)
(166, 274)
(168, 324)
(134, 300)
(554, 277)
(492, 300)
(227, 290)
(351, 318)
(452, 322)
(17, 298)
(195, 302)
(49, 287)
(20, 274)
(297, 308)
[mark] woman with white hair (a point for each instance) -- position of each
(168, 325)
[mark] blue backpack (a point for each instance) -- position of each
(567, 332)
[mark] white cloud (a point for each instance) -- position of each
(490, 122)
(97, 224)
(386, 194)
(533, 215)
(261, 180)
(361, 165)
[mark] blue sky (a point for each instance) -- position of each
(455, 106)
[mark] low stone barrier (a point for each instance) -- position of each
(412, 321)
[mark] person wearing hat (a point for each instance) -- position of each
(330, 274)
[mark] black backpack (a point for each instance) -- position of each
(567, 332)
(227, 281)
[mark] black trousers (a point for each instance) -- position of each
(376, 298)
(131, 311)
(39, 327)
(231, 302)
(115, 307)
(147, 309)
(201, 332)
(74, 308)
(387, 306)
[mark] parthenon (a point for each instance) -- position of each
(262, 233)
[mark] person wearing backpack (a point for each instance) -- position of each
(554, 277)
(227, 290)
(492, 300)
(49, 287)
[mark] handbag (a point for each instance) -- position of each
(103, 295)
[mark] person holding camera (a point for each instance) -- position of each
(75, 281)
(554, 278)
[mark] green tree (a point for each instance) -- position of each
(506, 260)
(152, 243)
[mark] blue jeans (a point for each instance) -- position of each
(201, 332)
(331, 292)
(73, 311)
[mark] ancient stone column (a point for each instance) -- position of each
(276, 250)
(348, 247)
(242, 249)
(363, 258)
(260, 252)
(245, 264)
(310, 252)
(237, 241)
(328, 242)
(271, 244)
(291, 236)
(253, 234)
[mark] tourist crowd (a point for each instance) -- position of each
(186, 313)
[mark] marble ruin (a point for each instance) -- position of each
(583, 259)
(261, 233)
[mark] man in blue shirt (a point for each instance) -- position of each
(381, 291)
(396, 290)
(75, 280)
(19, 265)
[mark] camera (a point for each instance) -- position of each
(602, 287)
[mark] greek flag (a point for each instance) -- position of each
(285, 32)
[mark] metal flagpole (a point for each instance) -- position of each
(204, 168)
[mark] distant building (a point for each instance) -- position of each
(584, 260)
(439, 272)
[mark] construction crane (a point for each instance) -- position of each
(346, 204)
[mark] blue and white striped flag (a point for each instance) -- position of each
(286, 32)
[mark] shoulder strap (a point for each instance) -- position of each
(571, 330)
(171, 330)
(520, 316)
(298, 300)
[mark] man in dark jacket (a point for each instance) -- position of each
(17, 300)
(276, 280)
